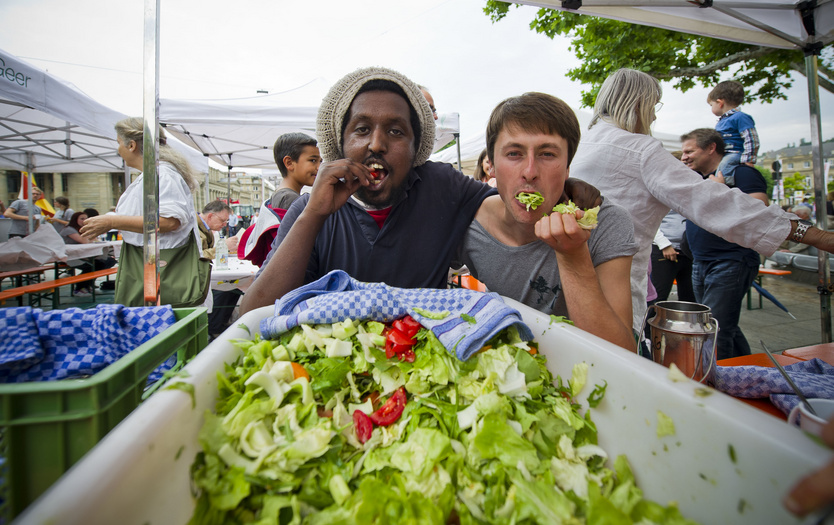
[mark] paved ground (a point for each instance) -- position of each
(798, 293)
(775, 327)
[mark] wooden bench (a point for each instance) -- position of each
(18, 276)
(38, 291)
(763, 271)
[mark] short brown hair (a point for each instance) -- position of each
(534, 112)
(290, 145)
(729, 91)
(704, 137)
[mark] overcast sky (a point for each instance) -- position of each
(217, 49)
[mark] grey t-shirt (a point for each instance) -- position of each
(64, 215)
(529, 273)
(283, 198)
(21, 227)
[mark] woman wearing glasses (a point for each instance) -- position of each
(619, 156)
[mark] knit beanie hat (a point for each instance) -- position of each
(336, 103)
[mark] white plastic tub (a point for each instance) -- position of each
(139, 473)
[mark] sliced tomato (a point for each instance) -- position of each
(408, 356)
(364, 426)
(399, 338)
(407, 325)
(389, 349)
(391, 411)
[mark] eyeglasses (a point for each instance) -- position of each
(433, 109)
(658, 106)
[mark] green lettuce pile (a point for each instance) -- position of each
(489, 440)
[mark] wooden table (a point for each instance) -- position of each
(824, 351)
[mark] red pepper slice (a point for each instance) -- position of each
(391, 411)
(364, 426)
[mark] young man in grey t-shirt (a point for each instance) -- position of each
(19, 212)
(543, 258)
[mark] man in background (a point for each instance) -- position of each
(213, 218)
(19, 211)
(722, 271)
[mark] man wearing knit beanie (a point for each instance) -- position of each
(378, 210)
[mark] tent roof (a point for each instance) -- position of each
(770, 23)
(240, 133)
(63, 129)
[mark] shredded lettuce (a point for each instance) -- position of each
(495, 439)
(589, 218)
(531, 200)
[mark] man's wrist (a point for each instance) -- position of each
(799, 229)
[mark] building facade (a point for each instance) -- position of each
(102, 190)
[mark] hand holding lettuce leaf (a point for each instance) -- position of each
(490, 440)
(589, 217)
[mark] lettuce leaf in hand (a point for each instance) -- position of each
(588, 220)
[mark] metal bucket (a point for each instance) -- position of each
(684, 334)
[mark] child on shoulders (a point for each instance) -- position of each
(736, 128)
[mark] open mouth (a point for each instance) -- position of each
(378, 173)
(530, 199)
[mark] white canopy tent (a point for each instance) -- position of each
(240, 132)
(48, 125)
(805, 26)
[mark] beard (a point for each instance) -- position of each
(377, 201)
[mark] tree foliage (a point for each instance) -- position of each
(794, 183)
(604, 45)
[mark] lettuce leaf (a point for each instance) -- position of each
(531, 200)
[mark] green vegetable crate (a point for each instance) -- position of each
(46, 427)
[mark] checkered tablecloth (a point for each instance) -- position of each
(38, 346)
(815, 378)
(337, 296)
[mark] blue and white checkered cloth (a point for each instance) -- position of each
(815, 378)
(59, 344)
(337, 296)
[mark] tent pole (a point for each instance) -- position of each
(457, 143)
(150, 160)
(208, 183)
(824, 287)
(30, 167)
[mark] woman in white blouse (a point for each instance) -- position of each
(177, 181)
